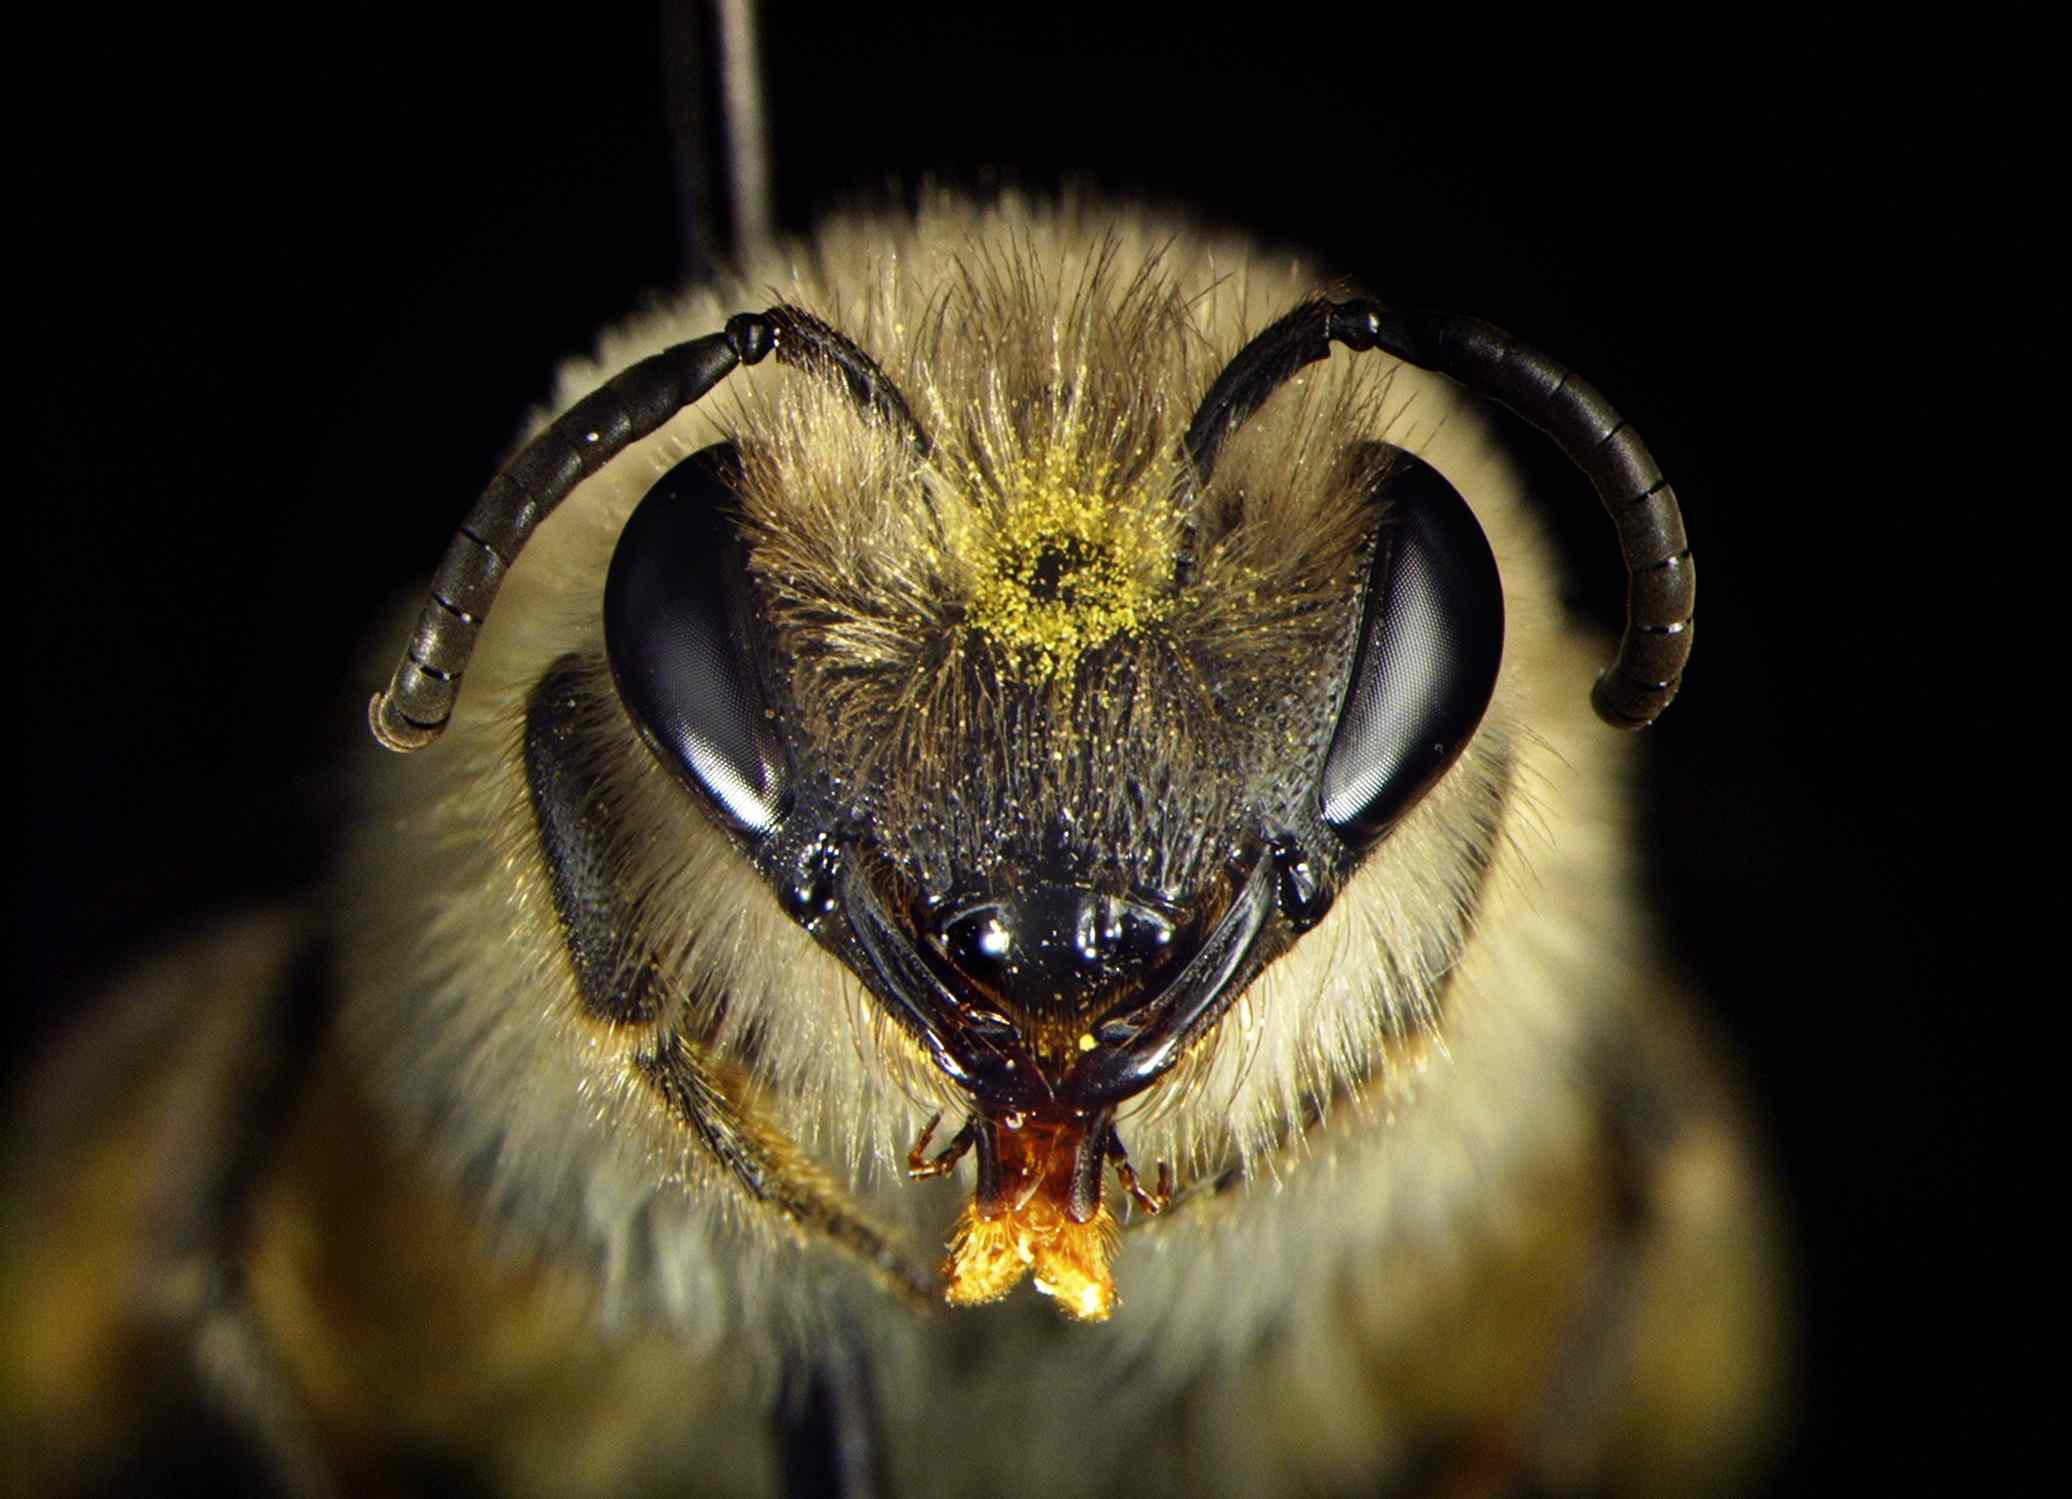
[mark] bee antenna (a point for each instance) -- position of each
(1661, 579)
(418, 702)
(807, 343)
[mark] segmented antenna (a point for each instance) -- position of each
(1661, 580)
(415, 708)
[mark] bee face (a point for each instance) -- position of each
(1055, 740)
(1053, 657)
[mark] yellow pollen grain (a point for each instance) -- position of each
(1066, 565)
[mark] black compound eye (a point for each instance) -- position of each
(1431, 637)
(679, 629)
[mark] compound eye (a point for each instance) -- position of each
(680, 632)
(1431, 638)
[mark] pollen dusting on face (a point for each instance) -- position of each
(1038, 633)
(1061, 564)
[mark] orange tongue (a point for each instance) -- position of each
(1029, 1230)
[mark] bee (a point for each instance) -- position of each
(1020, 891)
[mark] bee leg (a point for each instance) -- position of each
(1687, 1209)
(210, 1164)
(769, 1168)
(830, 1438)
(244, 1379)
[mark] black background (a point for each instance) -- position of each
(295, 287)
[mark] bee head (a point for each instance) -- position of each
(1051, 735)
(1061, 699)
